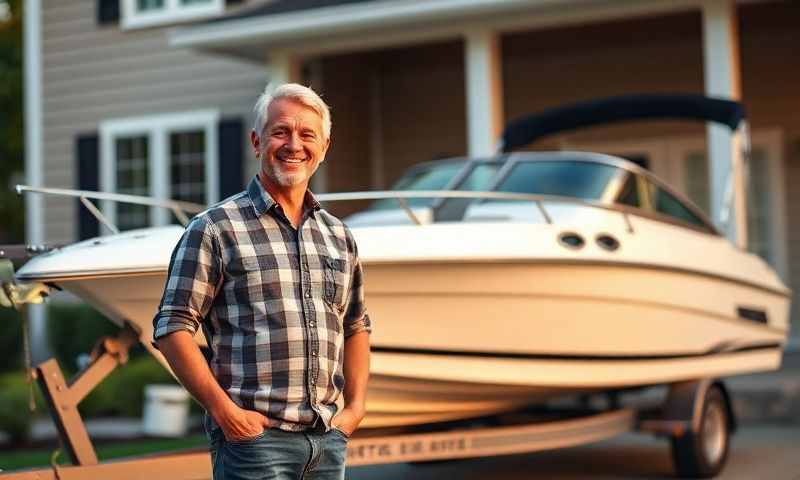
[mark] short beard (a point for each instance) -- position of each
(285, 179)
(281, 178)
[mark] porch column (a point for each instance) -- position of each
(484, 88)
(284, 68)
(377, 160)
(722, 71)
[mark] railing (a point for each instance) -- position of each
(179, 208)
(182, 208)
(402, 195)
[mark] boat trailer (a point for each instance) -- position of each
(691, 413)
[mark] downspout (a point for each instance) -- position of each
(34, 205)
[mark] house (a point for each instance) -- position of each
(154, 96)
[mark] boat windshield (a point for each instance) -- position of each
(434, 176)
(665, 203)
(564, 178)
(439, 176)
(644, 194)
(479, 178)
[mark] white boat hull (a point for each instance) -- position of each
(553, 330)
(573, 310)
(493, 322)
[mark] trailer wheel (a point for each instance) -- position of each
(702, 454)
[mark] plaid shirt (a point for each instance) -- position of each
(275, 303)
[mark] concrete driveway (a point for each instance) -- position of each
(759, 452)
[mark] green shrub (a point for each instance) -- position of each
(10, 339)
(15, 414)
(122, 393)
(74, 329)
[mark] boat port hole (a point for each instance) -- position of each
(607, 242)
(571, 240)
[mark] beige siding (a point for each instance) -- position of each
(93, 73)
(552, 67)
(345, 86)
(424, 106)
(420, 91)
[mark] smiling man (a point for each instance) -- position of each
(275, 283)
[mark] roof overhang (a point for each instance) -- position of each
(384, 23)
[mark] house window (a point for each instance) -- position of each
(147, 13)
(187, 165)
(171, 156)
(149, 5)
(132, 171)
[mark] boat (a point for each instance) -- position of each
(518, 279)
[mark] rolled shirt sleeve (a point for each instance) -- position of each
(193, 278)
(355, 318)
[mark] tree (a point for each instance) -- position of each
(12, 220)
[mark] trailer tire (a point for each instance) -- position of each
(703, 453)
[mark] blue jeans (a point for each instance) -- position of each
(276, 454)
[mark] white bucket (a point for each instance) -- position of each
(166, 411)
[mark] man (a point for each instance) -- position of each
(276, 284)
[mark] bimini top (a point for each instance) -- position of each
(527, 129)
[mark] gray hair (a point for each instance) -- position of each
(293, 91)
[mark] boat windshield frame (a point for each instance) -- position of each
(425, 166)
(452, 185)
(623, 165)
(467, 170)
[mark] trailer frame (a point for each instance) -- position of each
(505, 434)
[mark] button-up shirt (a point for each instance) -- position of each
(275, 303)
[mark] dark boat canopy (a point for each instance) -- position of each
(527, 129)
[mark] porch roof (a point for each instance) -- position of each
(316, 26)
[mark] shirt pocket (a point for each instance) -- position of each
(241, 265)
(255, 278)
(335, 282)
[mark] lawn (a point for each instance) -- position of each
(16, 459)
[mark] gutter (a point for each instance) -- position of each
(345, 18)
(34, 228)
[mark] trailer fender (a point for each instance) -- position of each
(685, 402)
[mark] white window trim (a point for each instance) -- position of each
(157, 129)
(173, 12)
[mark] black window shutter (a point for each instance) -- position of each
(230, 157)
(107, 11)
(88, 156)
